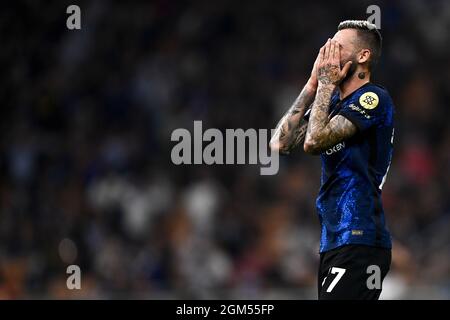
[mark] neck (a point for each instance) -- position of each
(353, 83)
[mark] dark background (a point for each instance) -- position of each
(85, 171)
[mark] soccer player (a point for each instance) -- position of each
(347, 120)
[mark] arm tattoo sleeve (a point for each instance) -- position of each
(323, 133)
(291, 129)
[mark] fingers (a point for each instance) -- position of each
(314, 69)
(345, 69)
(337, 51)
(333, 50)
(327, 49)
(322, 54)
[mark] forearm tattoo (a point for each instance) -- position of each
(329, 74)
(291, 129)
(323, 133)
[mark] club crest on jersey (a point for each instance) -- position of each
(369, 100)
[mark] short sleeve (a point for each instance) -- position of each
(364, 110)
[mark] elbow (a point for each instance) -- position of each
(278, 147)
(308, 147)
(274, 146)
(311, 147)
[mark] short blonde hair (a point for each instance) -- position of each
(369, 37)
(356, 24)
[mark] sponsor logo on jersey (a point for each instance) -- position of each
(358, 109)
(335, 149)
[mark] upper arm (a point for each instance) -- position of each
(340, 128)
(365, 110)
(298, 135)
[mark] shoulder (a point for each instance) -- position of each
(372, 97)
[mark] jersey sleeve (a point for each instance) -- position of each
(365, 110)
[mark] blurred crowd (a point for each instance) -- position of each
(85, 171)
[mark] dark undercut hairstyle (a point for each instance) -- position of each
(369, 38)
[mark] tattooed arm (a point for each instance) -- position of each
(323, 133)
(290, 131)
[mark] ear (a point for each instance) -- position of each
(364, 55)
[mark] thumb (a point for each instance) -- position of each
(345, 69)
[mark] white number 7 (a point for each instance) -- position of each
(340, 272)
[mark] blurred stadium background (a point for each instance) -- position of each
(85, 170)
